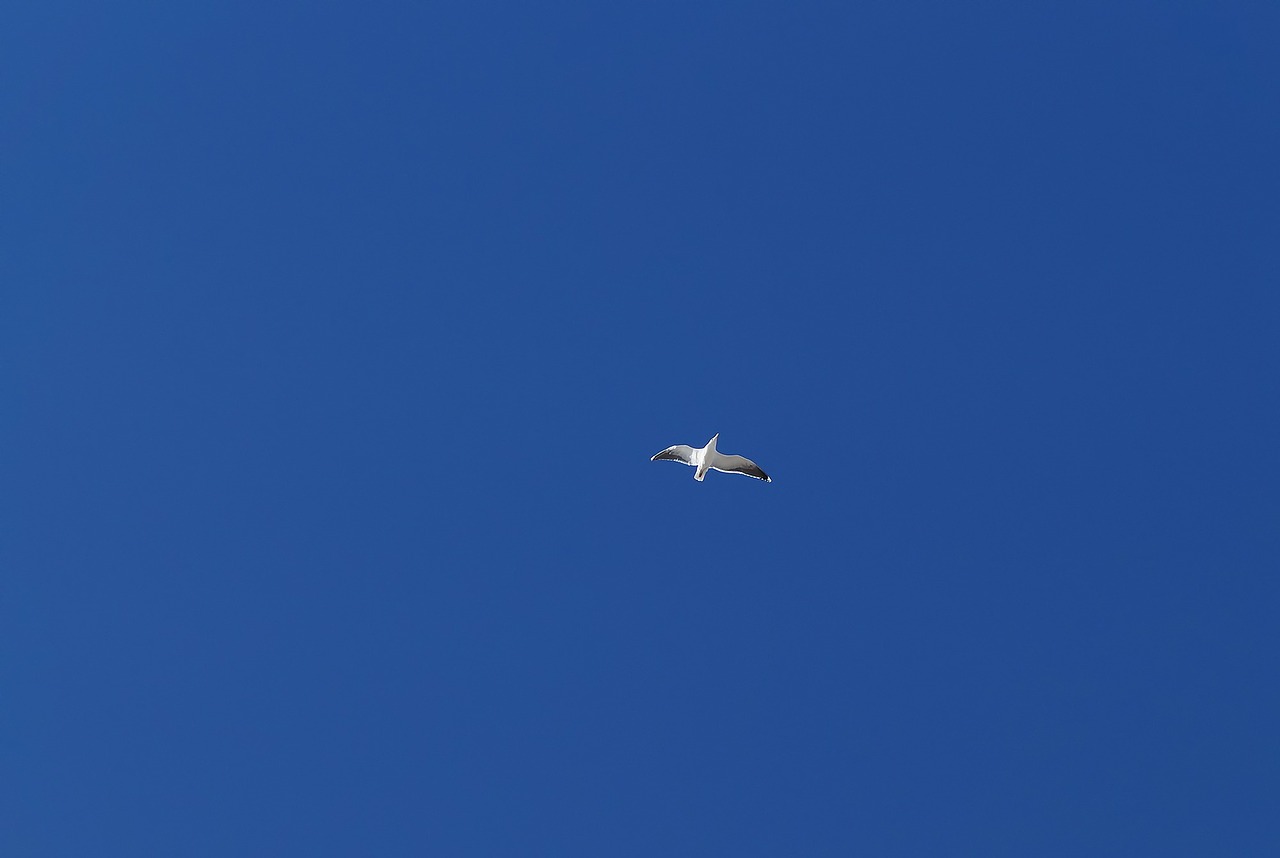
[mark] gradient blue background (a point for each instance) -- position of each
(336, 339)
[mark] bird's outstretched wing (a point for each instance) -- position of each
(678, 453)
(738, 465)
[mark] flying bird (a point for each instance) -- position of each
(708, 458)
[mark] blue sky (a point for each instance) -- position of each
(336, 339)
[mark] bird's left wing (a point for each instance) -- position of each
(738, 465)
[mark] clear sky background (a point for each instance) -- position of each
(336, 339)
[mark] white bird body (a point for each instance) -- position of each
(708, 458)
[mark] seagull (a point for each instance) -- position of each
(708, 458)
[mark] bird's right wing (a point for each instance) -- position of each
(678, 453)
